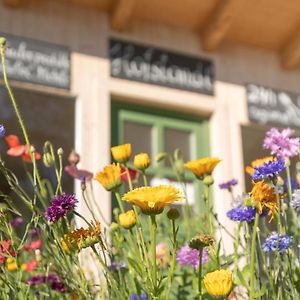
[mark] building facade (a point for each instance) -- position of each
(110, 109)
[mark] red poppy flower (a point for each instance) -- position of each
(37, 244)
(4, 248)
(17, 149)
(132, 173)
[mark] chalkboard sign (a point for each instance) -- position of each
(160, 67)
(37, 62)
(274, 107)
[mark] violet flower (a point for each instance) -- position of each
(187, 256)
(60, 206)
(228, 184)
(281, 144)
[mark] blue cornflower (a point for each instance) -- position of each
(268, 170)
(277, 242)
(228, 184)
(242, 214)
(2, 131)
(143, 296)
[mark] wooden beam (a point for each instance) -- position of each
(219, 23)
(290, 53)
(13, 3)
(121, 14)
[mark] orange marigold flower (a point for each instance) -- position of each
(82, 238)
(264, 197)
(110, 177)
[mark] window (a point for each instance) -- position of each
(46, 117)
(152, 131)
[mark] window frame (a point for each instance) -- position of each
(160, 120)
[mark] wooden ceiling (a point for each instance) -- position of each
(269, 24)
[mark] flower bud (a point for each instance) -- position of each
(74, 158)
(128, 219)
(2, 41)
(121, 153)
(173, 214)
(114, 226)
(161, 156)
(141, 161)
(208, 180)
(60, 152)
(200, 241)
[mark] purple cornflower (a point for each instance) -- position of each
(16, 222)
(55, 283)
(35, 280)
(228, 184)
(281, 144)
(143, 296)
(269, 170)
(187, 256)
(242, 214)
(2, 131)
(295, 203)
(277, 242)
(60, 206)
(35, 232)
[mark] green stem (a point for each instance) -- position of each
(288, 178)
(119, 201)
(200, 274)
(153, 250)
(128, 178)
(209, 208)
(252, 257)
(14, 103)
(172, 266)
(145, 178)
(279, 224)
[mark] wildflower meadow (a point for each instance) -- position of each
(157, 245)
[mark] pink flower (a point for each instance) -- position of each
(76, 173)
(162, 254)
(281, 144)
(34, 245)
(187, 256)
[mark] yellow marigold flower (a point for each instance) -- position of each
(127, 219)
(121, 153)
(257, 163)
(264, 197)
(110, 177)
(141, 161)
(82, 238)
(153, 199)
(218, 283)
(11, 264)
(203, 166)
